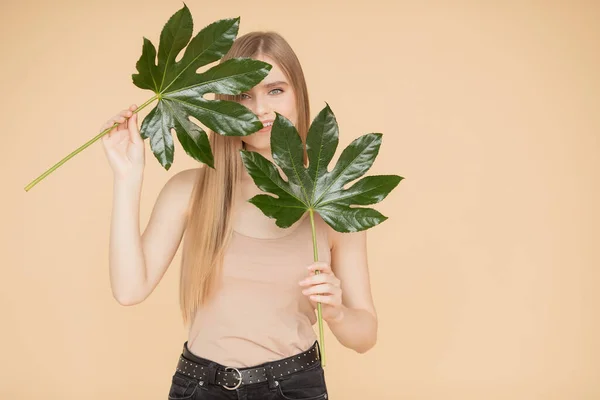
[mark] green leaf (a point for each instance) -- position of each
(316, 187)
(346, 219)
(180, 89)
(368, 190)
(287, 151)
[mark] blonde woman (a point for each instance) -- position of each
(248, 291)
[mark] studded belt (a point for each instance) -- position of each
(231, 377)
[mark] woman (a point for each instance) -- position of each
(248, 289)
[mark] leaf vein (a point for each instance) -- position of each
(178, 118)
(342, 172)
(167, 60)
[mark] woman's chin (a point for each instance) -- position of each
(259, 141)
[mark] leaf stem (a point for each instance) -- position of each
(81, 148)
(319, 312)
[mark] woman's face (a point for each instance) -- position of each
(273, 94)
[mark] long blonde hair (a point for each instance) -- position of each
(209, 223)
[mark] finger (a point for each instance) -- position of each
(320, 278)
(107, 124)
(324, 288)
(122, 123)
(324, 299)
(113, 127)
(314, 279)
(320, 266)
(117, 119)
(134, 133)
(125, 115)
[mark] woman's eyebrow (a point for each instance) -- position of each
(276, 83)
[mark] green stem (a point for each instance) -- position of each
(319, 312)
(81, 148)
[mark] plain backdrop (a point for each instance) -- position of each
(485, 276)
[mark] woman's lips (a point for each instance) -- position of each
(266, 128)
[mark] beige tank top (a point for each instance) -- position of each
(259, 313)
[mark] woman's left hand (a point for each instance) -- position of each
(324, 288)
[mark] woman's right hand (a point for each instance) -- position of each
(123, 145)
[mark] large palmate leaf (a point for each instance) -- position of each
(180, 89)
(315, 188)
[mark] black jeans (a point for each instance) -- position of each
(306, 384)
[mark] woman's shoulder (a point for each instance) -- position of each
(183, 180)
(179, 188)
(187, 176)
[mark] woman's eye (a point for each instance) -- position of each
(245, 96)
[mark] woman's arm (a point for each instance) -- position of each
(346, 298)
(357, 328)
(138, 262)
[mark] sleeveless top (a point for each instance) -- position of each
(259, 312)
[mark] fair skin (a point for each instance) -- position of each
(342, 287)
(351, 317)
(273, 94)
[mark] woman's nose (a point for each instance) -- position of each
(261, 106)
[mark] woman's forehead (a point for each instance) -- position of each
(275, 77)
(276, 73)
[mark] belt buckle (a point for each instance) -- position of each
(240, 378)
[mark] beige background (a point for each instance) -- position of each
(485, 276)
